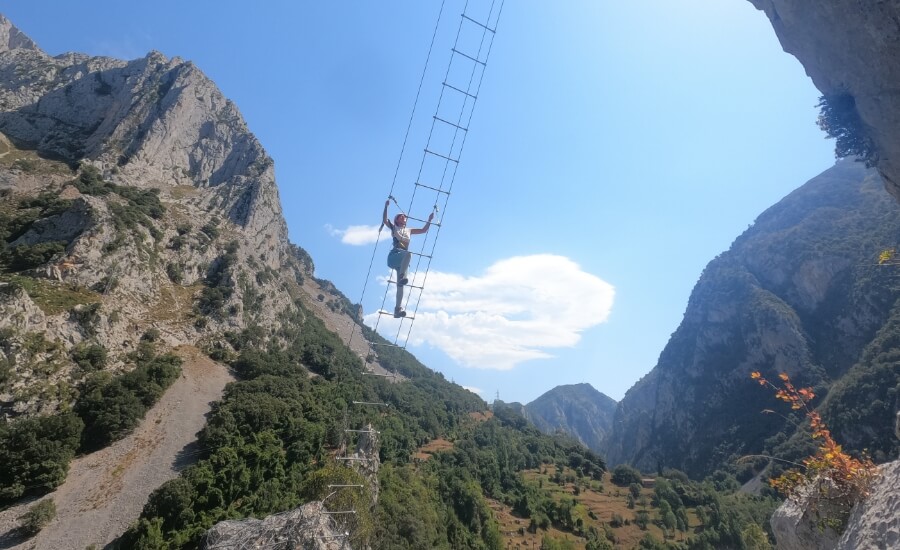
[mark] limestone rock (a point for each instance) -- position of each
(799, 523)
(875, 522)
(848, 46)
(304, 528)
(12, 38)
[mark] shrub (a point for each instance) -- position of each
(177, 242)
(211, 300)
(37, 517)
(634, 489)
(26, 165)
(642, 519)
(90, 357)
(22, 257)
(210, 229)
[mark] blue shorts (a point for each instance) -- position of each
(396, 257)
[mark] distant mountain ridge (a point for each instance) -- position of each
(578, 409)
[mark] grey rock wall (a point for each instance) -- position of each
(849, 46)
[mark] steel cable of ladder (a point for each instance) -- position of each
(459, 126)
(412, 115)
(459, 129)
(456, 51)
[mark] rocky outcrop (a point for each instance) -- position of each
(801, 523)
(851, 47)
(873, 523)
(577, 409)
(305, 528)
(799, 292)
(12, 38)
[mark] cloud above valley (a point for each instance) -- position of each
(518, 310)
(358, 235)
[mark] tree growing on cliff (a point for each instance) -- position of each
(839, 119)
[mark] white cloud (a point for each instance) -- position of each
(473, 389)
(518, 310)
(358, 235)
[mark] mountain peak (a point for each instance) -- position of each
(578, 409)
(11, 38)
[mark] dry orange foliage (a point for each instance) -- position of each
(852, 477)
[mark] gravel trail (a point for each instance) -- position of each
(105, 491)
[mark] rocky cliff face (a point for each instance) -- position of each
(850, 47)
(577, 409)
(799, 292)
(132, 198)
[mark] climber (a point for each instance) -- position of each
(399, 256)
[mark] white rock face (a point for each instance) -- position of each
(305, 527)
(798, 523)
(12, 38)
(875, 523)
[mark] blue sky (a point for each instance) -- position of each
(615, 149)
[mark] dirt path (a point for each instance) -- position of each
(106, 491)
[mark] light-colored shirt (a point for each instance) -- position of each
(401, 237)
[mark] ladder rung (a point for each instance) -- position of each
(451, 124)
(430, 152)
(388, 345)
(444, 191)
(392, 315)
(460, 91)
(420, 254)
(482, 25)
(467, 56)
(407, 285)
(421, 220)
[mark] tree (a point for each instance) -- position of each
(635, 489)
(623, 475)
(839, 118)
(754, 538)
(642, 519)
